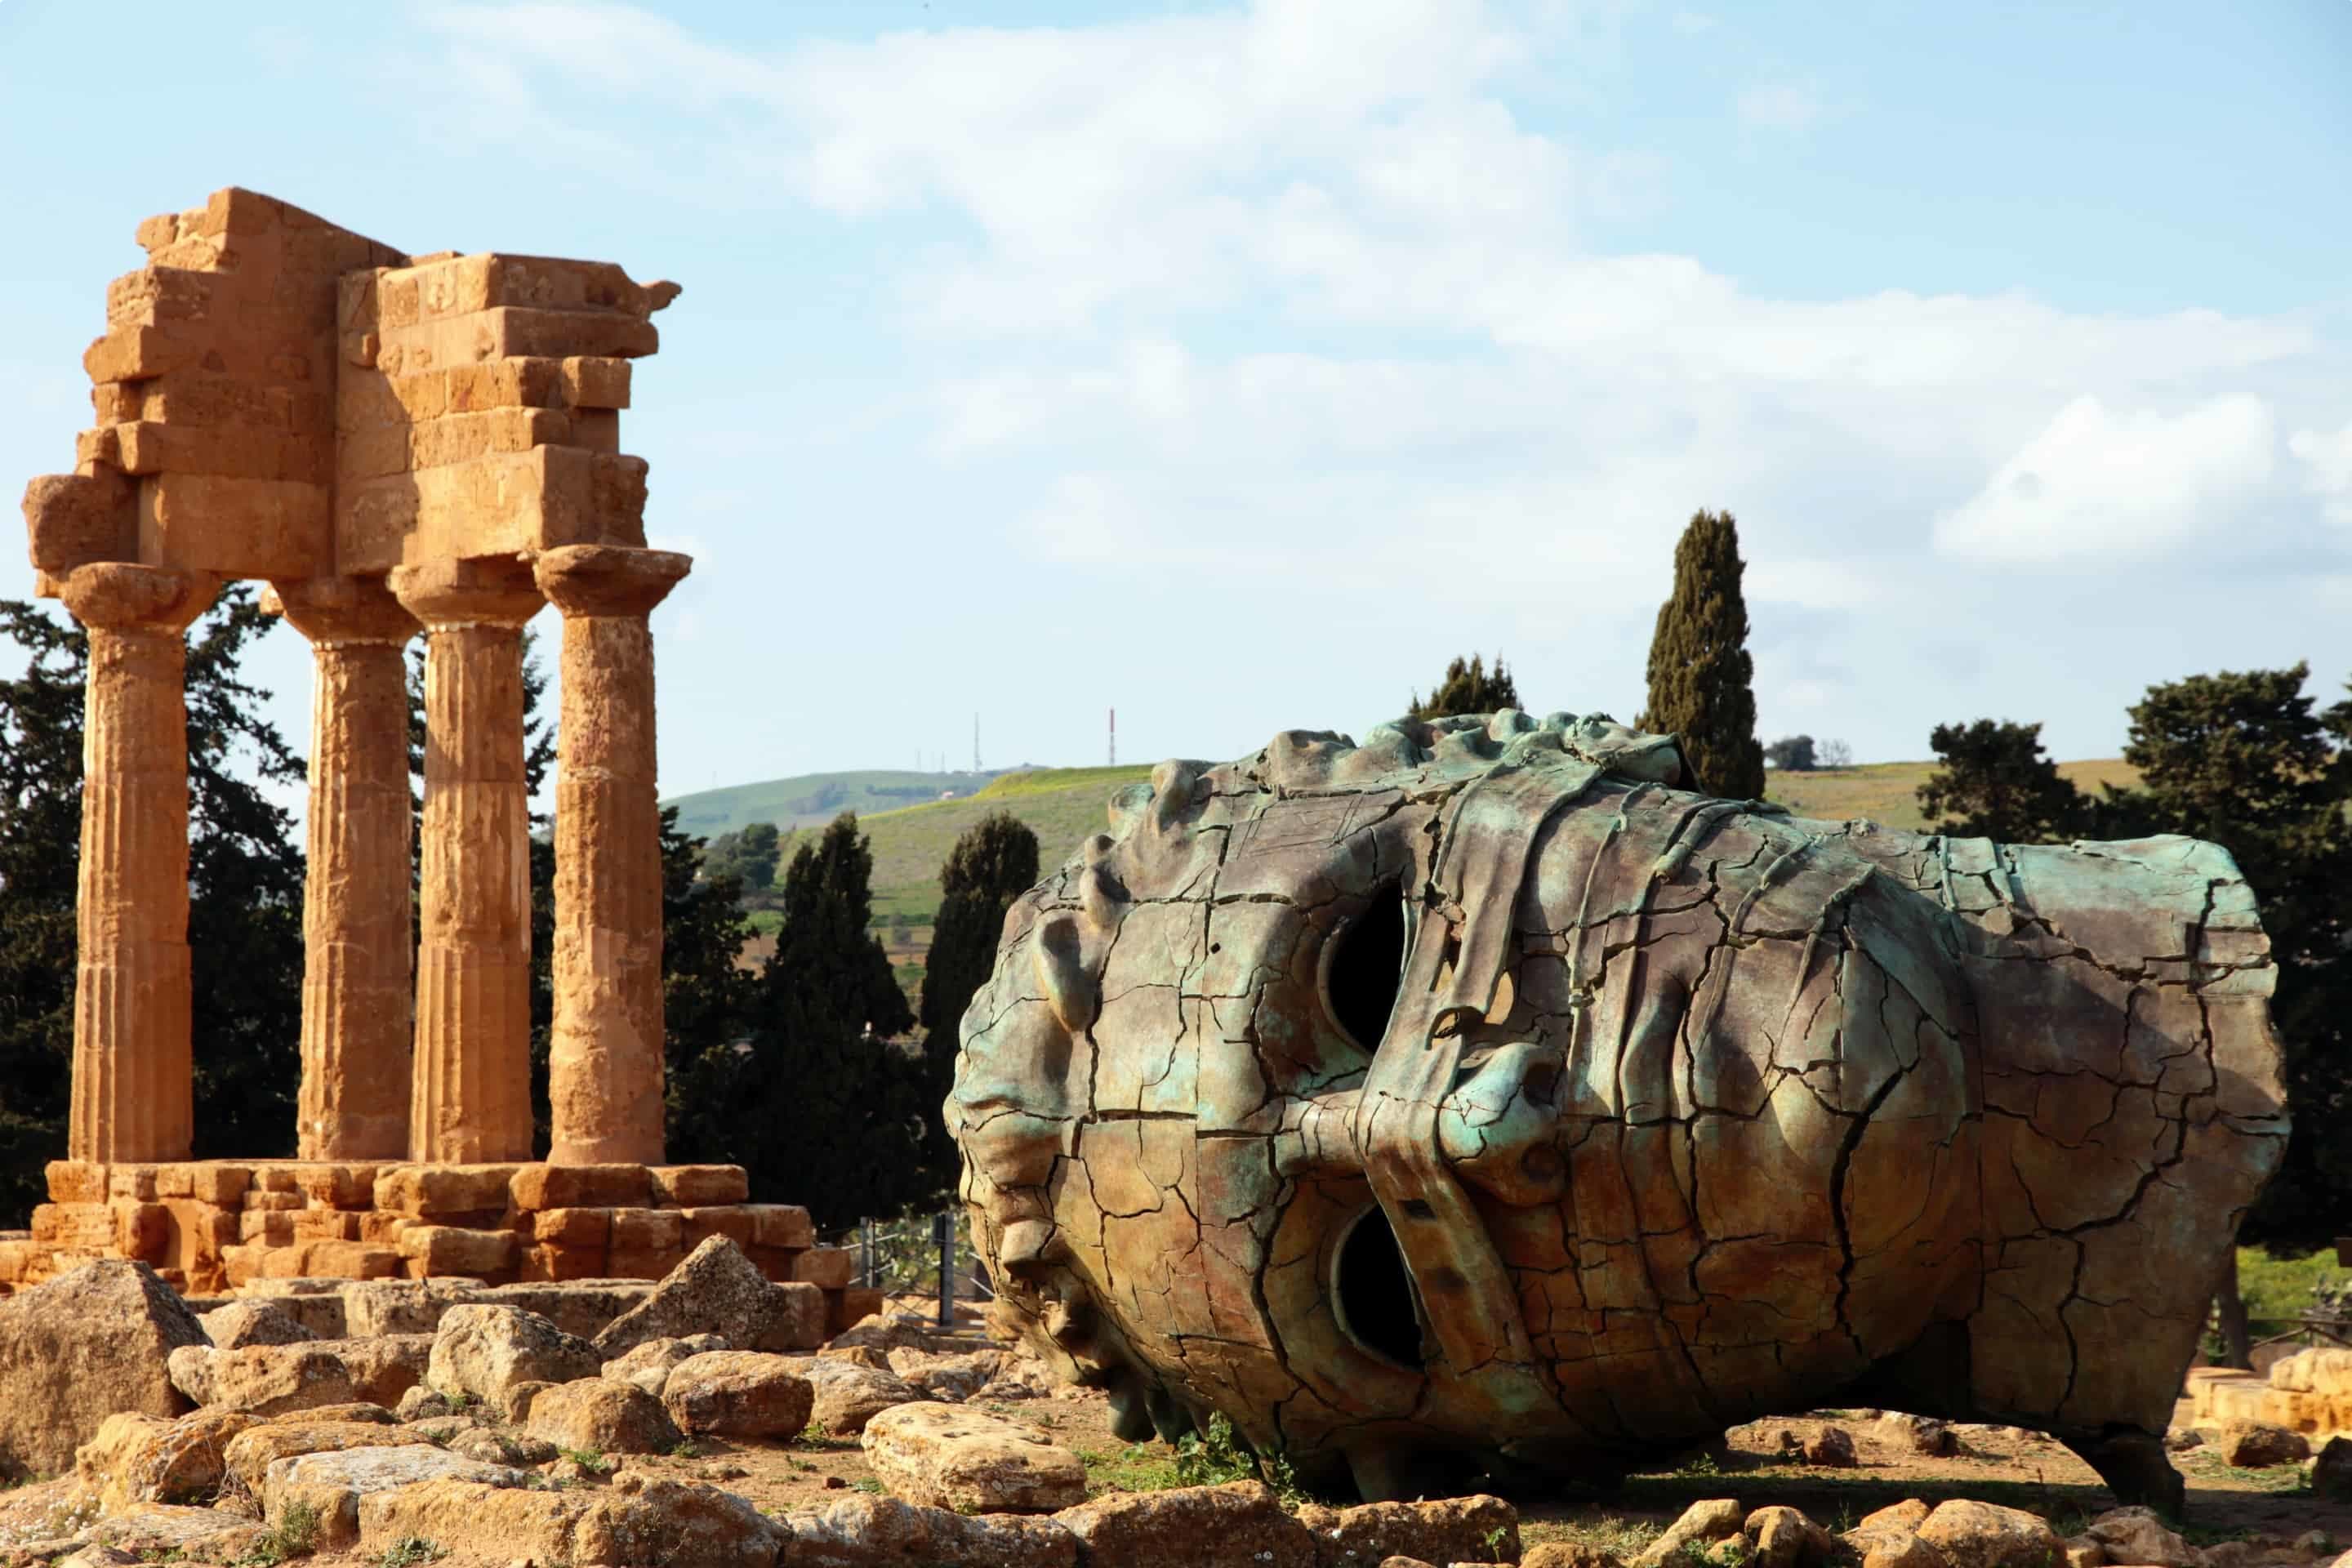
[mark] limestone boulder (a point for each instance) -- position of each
(943, 1456)
(864, 1532)
(495, 1445)
(332, 1483)
(86, 1346)
(1240, 1525)
(849, 1395)
(1566, 1554)
(601, 1416)
(738, 1394)
(633, 1521)
(2254, 1446)
(252, 1323)
(1448, 1529)
(719, 1290)
(404, 1306)
(272, 1380)
(480, 1351)
(1782, 1537)
(887, 1332)
(949, 1377)
(649, 1364)
(158, 1532)
(1918, 1434)
(249, 1454)
(1832, 1448)
(583, 1308)
(140, 1459)
(2137, 1535)
(1702, 1524)
(316, 1304)
(1985, 1535)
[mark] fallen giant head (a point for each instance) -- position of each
(1475, 1097)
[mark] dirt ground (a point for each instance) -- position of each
(2020, 1470)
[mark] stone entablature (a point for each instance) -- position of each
(396, 444)
(210, 1226)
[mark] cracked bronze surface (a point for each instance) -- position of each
(1685, 1111)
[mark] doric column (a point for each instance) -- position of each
(132, 1082)
(604, 1069)
(356, 936)
(470, 1084)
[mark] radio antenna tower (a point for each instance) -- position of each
(975, 743)
(1113, 737)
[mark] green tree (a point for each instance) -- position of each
(2247, 760)
(749, 855)
(244, 879)
(838, 1116)
(707, 1001)
(1996, 782)
(1701, 677)
(1466, 689)
(1792, 754)
(994, 861)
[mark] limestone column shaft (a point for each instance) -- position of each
(470, 1082)
(356, 908)
(133, 1080)
(604, 1070)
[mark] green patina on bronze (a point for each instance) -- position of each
(1658, 1113)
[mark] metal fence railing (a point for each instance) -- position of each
(920, 1253)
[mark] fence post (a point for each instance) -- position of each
(867, 1273)
(944, 1232)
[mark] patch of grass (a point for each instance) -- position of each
(296, 1534)
(1623, 1538)
(410, 1551)
(596, 1461)
(686, 1449)
(867, 1484)
(1212, 1457)
(1138, 1467)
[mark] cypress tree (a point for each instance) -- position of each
(1467, 689)
(1701, 678)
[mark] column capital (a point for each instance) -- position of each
(494, 591)
(334, 611)
(123, 596)
(608, 579)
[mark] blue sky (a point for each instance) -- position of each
(1236, 364)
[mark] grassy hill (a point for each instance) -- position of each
(812, 800)
(1063, 805)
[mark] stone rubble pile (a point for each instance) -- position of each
(401, 1411)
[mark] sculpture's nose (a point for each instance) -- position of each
(1497, 1127)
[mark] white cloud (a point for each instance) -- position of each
(1779, 106)
(2328, 459)
(2095, 482)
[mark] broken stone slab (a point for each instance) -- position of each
(632, 1523)
(738, 1394)
(2137, 1535)
(1238, 1525)
(649, 1364)
(865, 1531)
(80, 1348)
(316, 1304)
(1782, 1537)
(404, 1306)
(601, 1415)
(1918, 1434)
(719, 1290)
(849, 1395)
(585, 1308)
(249, 1454)
(1703, 1524)
(138, 1458)
(2256, 1446)
(272, 1380)
(1472, 1529)
(1985, 1535)
(956, 1378)
(886, 1332)
(944, 1456)
(332, 1482)
(157, 1531)
(252, 1323)
(481, 1351)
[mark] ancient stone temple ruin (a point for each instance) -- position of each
(1474, 1099)
(399, 446)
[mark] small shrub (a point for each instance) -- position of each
(867, 1484)
(593, 1460)
(296, 1534)
(410, 1551)
(1217, 1456)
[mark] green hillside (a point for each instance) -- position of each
(1063, 805)
(812, 800)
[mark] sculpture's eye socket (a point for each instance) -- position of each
(1362, 967)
